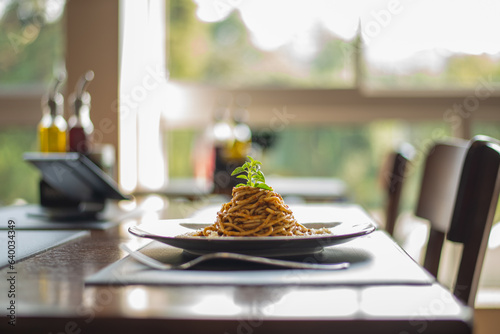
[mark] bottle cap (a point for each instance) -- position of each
(81, 96)
(54, 100)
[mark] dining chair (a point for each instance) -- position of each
(393, 175)
(459, 195)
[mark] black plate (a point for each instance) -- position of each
(172, 232)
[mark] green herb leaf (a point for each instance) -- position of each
(254, 176)
(264, 186)
(260, 176)
(238, 170)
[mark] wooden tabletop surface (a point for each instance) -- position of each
(51, 297)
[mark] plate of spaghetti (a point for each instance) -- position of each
(255, 221)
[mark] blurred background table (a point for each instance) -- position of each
(303, 189)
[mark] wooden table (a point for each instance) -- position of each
(51, 297)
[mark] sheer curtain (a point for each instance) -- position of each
(143, 80)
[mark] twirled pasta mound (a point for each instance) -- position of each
(256, 212)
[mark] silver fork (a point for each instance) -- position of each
(150, 262)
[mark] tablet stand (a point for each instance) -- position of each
(72, 186)
(56, 205)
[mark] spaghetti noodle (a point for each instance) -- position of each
(257, 212)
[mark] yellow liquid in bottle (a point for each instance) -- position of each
(52, 138)
(239, 150)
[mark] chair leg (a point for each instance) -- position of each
(390, 220)
(433, 252)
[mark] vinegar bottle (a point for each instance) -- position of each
(80, 125)
(52, 127)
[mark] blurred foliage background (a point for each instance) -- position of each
(31, 43)
(31, 50)
(18, 179)
(222, 53)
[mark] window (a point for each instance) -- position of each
(31, 43)
(350, 76)
(19, 180)
(31, 52)
(431, 45)
(253, 46)
(390, 45)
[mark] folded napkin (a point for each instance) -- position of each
(28, 243)
(374, 258)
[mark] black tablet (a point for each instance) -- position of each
(75, 175)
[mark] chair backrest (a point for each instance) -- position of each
(392, 177)
(438, 190)
(459, 199)
(474, 211)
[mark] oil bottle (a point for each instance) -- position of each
(242, 137)
(52, 127)
(80, 126)
(223, 139)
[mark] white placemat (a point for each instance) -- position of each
(27, 243)
(31, 217)
(375, 259)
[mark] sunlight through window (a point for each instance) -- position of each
(421, 41)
